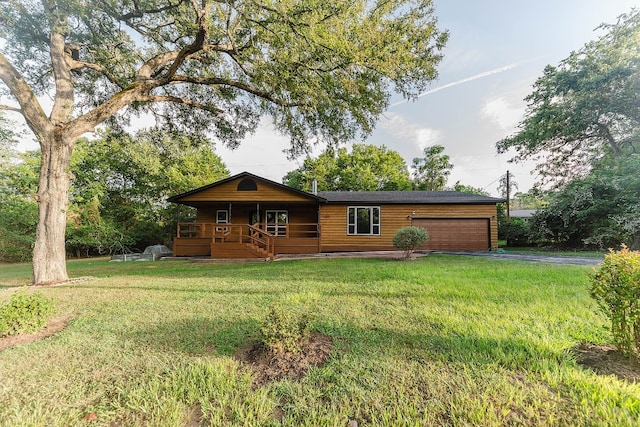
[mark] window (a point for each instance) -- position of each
(363, 220)
(222, 217)
(247, 185)
(276, 222)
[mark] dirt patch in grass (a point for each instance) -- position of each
(55, 325)
(267, 365)
(607, 360)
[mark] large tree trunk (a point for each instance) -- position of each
(49, 256)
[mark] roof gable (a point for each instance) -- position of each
(244, 187)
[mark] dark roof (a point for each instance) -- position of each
(361, 197)
(407, 197)
(176, 199)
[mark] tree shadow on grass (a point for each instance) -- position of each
(240, 339)
(198, 335)
(206, 336)
(449, 346)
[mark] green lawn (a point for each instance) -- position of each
(444, 340)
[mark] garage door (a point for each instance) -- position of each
(456, 234)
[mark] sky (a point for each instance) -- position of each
(496, 51)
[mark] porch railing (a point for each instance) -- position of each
(293, 230)
(261, 239)
(211, 230)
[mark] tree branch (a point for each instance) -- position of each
(216, 81)
(197, 45)
(77, 65)
(9, 108)
(139, 13)
(63, 103)
(185, 101)
(88, 121)
(30, 107)
(610, 139)
(155, 63)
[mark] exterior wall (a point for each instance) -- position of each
(298, 213)
(333, 220)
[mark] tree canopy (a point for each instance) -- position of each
(430, 172)
(600, 210)
(365, 168)
(323, 71)
(118, 194)
(585, 108)
(18, 208)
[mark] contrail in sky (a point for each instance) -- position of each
(465, 80)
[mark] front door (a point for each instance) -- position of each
(276, 222)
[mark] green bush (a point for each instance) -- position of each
(616, 288)
(516, 232)
(410, 238)
(24, 313)
(285, 329)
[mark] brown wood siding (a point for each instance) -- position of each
(296, 246)
(229, 192)
(333, 224)
(194, 246)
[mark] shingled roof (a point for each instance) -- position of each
(407, 197)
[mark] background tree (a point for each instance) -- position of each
(430, 172)
(462, 188)
(586, 108)
(122, 182)
(118, 195)
(18, 208)
(365, 168)
(321, 70)
(601, 210)
(8, 140)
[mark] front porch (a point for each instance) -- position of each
(260, 240)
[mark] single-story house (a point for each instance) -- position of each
(248, 216)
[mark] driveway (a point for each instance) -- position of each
(546, 259)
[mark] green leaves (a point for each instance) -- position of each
(321, 70)
(126, 180)
(616, 288)
(430, 172)
(585, 108)
(24, 313)
(366, 168)
(600, 210)
(409, 239)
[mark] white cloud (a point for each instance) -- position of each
(410, 134)
(503, 112)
